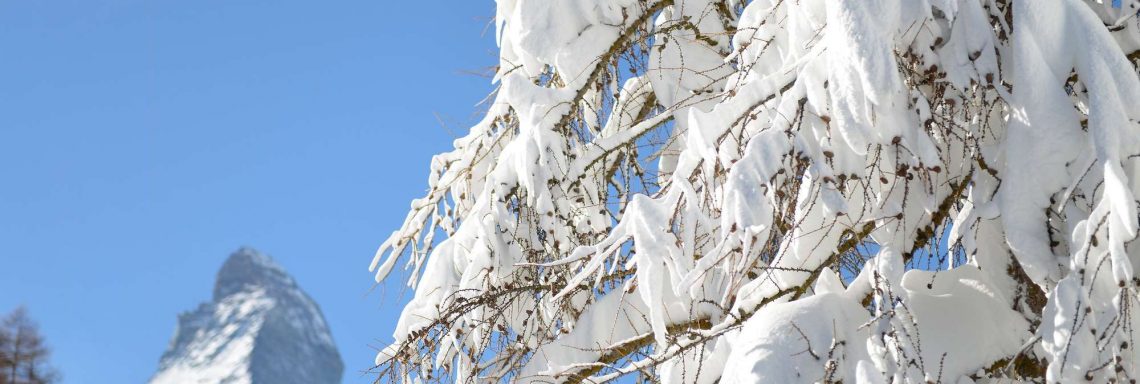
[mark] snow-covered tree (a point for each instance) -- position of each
(694, 191)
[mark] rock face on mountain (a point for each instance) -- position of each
(260, 328)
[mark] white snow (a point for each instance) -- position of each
(816, 339)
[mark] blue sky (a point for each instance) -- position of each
(141, 141)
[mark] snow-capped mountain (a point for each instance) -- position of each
(260, 327)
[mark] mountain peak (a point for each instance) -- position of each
(248, 268)
(260, 327)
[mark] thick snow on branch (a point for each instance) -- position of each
(702, 191)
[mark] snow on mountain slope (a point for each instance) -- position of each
(260, 327)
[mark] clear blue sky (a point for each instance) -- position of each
(141, 141)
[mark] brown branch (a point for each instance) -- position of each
(629, 347)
